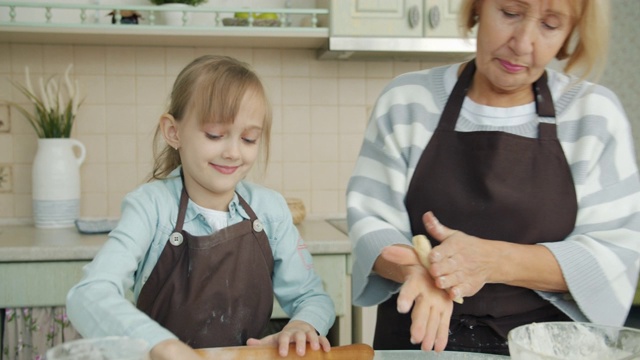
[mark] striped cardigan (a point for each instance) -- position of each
(600, 259)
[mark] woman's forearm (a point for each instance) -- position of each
(529, 266)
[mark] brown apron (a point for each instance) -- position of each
(492, 185)
(213, 290)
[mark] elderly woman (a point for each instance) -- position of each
(522, 177)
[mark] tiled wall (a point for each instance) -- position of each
(320, 111)
(623, 73)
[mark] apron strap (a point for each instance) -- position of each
(452, 109)
(184, 200)
(545, 108)
(247, 208)
(544, 102)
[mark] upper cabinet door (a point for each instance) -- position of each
(441, 18)
(384, 18)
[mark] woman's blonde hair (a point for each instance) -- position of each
(211, 89)
(586, 46)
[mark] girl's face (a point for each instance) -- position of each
(215, 156)
(516, 39)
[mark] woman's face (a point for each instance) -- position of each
(517, 38)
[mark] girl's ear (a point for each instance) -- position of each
(169, 128)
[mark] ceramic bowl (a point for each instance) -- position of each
(573, 340)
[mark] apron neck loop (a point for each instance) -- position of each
(542, 99)
(184, 200)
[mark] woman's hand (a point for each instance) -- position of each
(173, 349)
(432, 306)
(298, 332)
(461, 264)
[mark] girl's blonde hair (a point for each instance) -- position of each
(211, 89)
(586, 46)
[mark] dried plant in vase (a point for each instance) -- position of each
(55, 171)
(56, 104)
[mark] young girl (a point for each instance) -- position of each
(203, 250)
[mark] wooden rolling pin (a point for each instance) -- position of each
(422, 247)
(346, 352)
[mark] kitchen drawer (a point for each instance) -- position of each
(30, 284)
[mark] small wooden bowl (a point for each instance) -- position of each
(298, 212)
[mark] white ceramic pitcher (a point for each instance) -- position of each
(56, 182)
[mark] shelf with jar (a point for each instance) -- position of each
(62, 23)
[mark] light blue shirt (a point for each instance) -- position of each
(97, 305)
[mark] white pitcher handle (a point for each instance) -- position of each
(83, 150)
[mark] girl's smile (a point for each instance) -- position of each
(227, 170)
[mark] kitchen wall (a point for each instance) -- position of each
(320, 112)
(622, 74)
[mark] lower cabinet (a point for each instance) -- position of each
(46, 283)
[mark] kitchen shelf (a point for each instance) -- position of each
(52, 23)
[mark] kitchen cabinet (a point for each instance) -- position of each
(39, 266)
(336, 29)
(393, 18)
(441, 18)
(388, 18)
(394, 30)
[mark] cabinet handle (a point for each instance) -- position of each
(434, 16)
(414, 16)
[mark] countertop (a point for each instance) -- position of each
(20, 243)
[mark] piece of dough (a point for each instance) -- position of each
(422, 247)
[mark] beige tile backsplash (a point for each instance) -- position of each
(320, 112)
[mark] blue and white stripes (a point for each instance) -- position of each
(600, 259)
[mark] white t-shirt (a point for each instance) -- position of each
(215, 218)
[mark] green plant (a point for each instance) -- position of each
(55, 108)
(188, 2)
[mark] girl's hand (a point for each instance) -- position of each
(173, 349)
(432, 306)
(298, 332)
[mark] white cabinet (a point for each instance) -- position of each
(441, 19)
(392, 18)
(384, 18)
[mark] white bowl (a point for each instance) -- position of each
(573, 340)
(105, 348)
